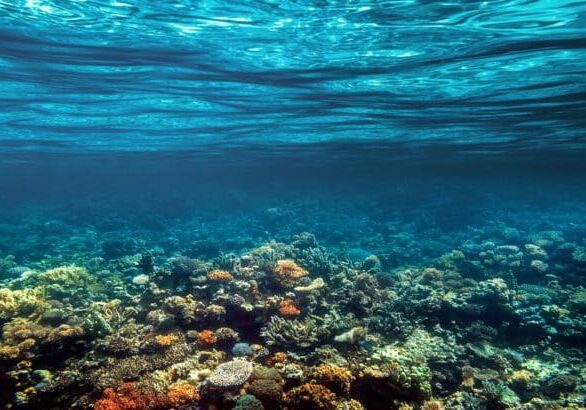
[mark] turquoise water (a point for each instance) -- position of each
(322, 204)
(144, 76)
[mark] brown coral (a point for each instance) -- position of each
(288, 273)
(218, 275)
(311, 396)
(335, 378)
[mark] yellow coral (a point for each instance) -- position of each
(218, 275)
(288, 272)
(26, 302)
(70, 275)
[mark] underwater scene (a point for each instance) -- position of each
(296, 204)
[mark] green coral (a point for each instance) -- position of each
(248, 402)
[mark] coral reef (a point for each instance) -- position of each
(490, 318)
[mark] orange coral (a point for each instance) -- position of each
(288, 272)
(182, 394)
(335, 378)
(207, 338)
(166, 340)
(287, 308)
(218, 275)
(129, 398)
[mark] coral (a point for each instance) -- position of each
(215, 312)
(335, 378)
(311, 396)
(248, 402)
(314, 285)
(182, 394)
(267, 373)
(230, 374)
(130, 338)
(432, 405)
(287, 308)
(278, 357)
(288, 273)
(141, 280)
(218, 275)
(226, 335)
(127, 397)
(64, 332)
(166, 340)
(560, 384)
(350, 404)
(268, 391)
(242, 349)
(520, 379)
(206, 338)
(293, 333)
(28, 302)
(185, 309)
(498, 395)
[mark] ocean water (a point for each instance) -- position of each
(384, 202)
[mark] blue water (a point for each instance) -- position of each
(145, 76)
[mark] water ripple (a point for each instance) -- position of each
(151, 75)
